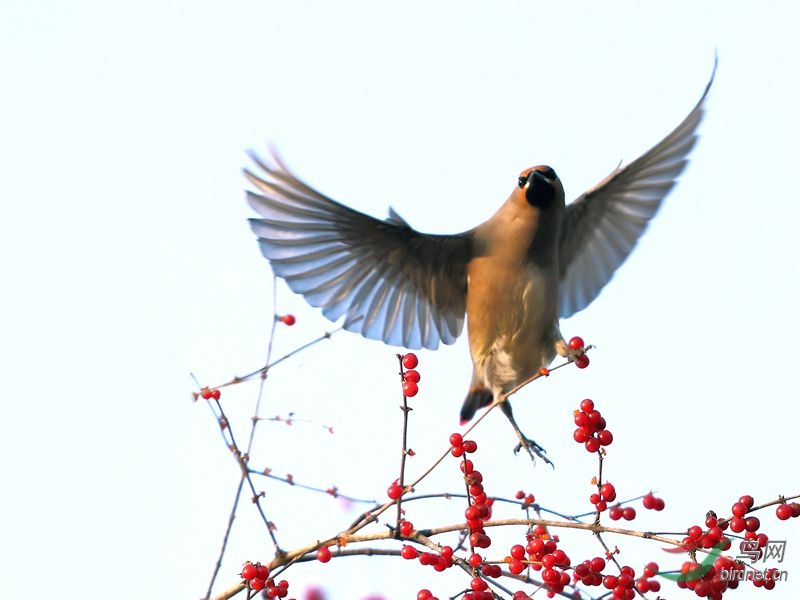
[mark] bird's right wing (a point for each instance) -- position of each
(391, 283)
(604, 224)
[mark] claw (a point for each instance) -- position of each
(533, 449)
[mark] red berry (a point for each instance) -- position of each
(248, 571)
(615, 513)
(659, 504)
(544, 371)
(394, 491)
(215, 394)
(608, 492)
(739, 509)
(288, 320)
(737, 524)
(592, 444)
(517, 551)
(783, 511)
(587, 405)
(410, 389)
(605, 437)
(409, 552)
(576, 343)
(582, 361)
(411, 375)
(470, 446)
(324, 554)
(516, 566)
(457, 451)
(519, 495)
(456, 440)
(629, 513)
(795, 509)
(475, 560)
(406, 528)
(205, 394)
(597, 564)
(410, 361)
(651, 569)
(752, 523)
(257, 584)
(478, 585)
(694, 532)
(747, 501)
(582, 434)
(424, 595)
(649, 501)
(262, 572)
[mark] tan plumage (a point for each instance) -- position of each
(532, 263)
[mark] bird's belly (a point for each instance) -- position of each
(512, 323)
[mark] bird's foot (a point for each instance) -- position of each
(532, 448)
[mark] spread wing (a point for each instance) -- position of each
(391, 283)
(603, 225)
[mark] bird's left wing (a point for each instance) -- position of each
(603, 225)
(391, 283)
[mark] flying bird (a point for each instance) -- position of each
(535, 261)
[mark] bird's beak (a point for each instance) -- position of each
(535, 176)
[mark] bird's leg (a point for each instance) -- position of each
(531, 447)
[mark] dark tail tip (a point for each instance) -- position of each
(477, 398)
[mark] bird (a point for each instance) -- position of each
(536, 261)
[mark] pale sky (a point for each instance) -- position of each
(128, 263)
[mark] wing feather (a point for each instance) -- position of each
(603, 225)
(392, 283)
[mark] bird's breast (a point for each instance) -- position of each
(511, 317)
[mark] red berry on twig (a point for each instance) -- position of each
(410, 361)
(576, 343)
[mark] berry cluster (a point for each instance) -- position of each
(256, 576)
(605, 493)
(644, 584)
(786, 511)
(738, 522)
(527, 499)
(591, 431)
(544, 555)
(621, 585)
(478, 511)
(411, 376)
(288, 320)
(589, 572)
(439, 562)
(576, 344)
(208, 394)
(650, 502)
(459, 446)
(617, 512)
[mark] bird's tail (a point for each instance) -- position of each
(478, 397)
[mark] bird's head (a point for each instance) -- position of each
(541, 187)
